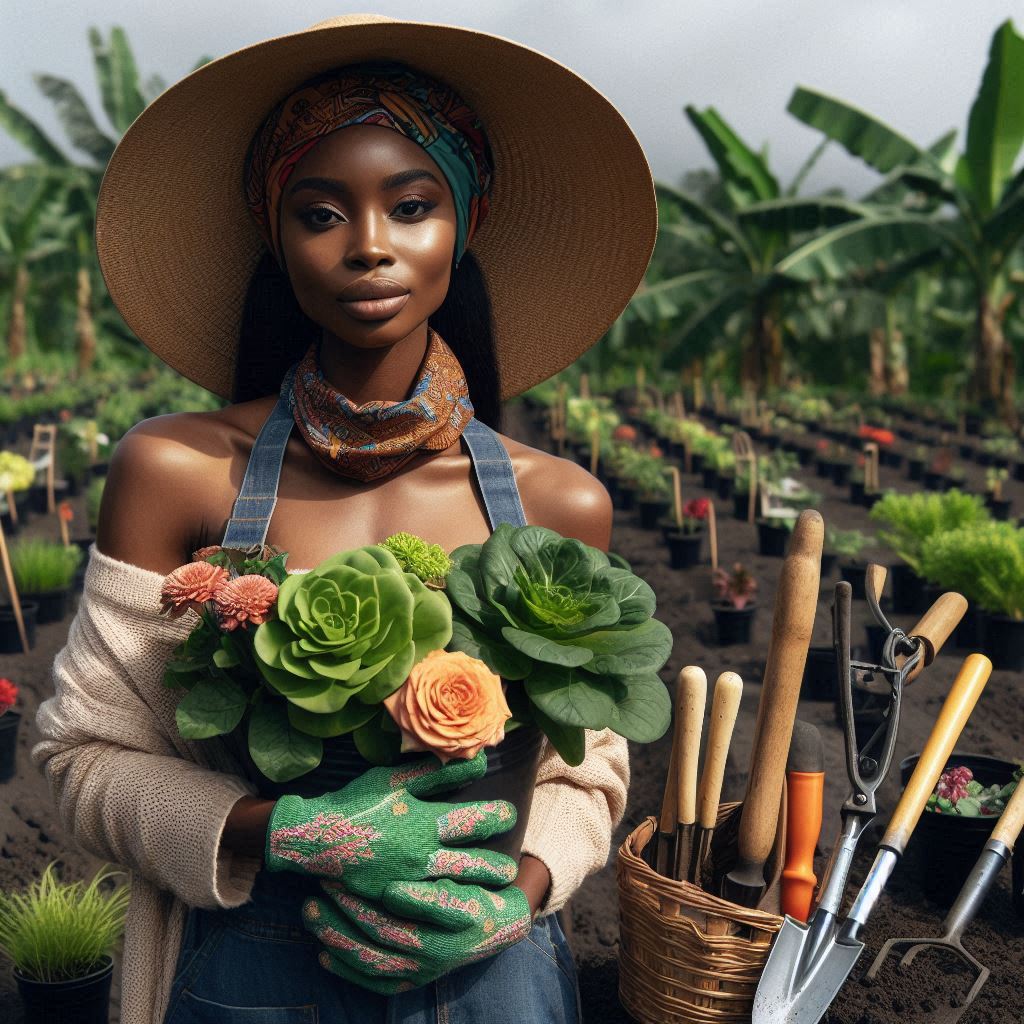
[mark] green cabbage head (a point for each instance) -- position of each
(353, 627)
(553, 612)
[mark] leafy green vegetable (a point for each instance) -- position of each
(554, 612)
(429, 562)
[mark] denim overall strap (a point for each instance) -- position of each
(494, 474)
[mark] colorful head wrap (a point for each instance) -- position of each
(390, 94)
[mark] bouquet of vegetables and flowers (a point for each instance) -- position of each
(408, 649)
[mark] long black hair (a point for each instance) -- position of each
(275, 333)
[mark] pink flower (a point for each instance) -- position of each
(203, 553)
(190, 585)
(244, 599)
(8, 695)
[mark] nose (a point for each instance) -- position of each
(368, 242)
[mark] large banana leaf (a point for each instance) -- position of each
(995, 127)
(665, 300)
(74, 115)
(737, 163)
(118, 78)
(705, 327)
(23, 129)
(798, 215)
(865, 246)
(1005, 227)
(860, 134)
(722, 226)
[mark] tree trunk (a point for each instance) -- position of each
(876, 355)
(85, 329)
(995, 366)
(16, 328)
(762, 362)
(897, 373)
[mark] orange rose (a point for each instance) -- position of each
(451, 705)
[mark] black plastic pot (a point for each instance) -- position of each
(907, 590)
(38, 497)
(709, 478)
(854, 573)
(651, 510)
(877, 636)
(771, 538)
(740, 504)
(856, 492)
(10, 641)
(696, 462)
(53, 606)
(625, 497)
(10, 530)
(947, 845)
(823, 467)
(970, 630)
(1018, 471)
(915, 469)
(726, 484)
(999, 507)
(1004, 642)
(684, 548)
(733, 625)
(804, 454)
(933, 481)
(828, 563)
(868, 499)
(841, 473)
(9, 722)
(81, 1001)
(820, 674)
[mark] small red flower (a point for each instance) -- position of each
(624, 432)
(696, 508)
(823, 444)
(8, 695)
(655, 451)
(67, 513)
(65, 415)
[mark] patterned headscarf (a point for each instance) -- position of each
(390, 94)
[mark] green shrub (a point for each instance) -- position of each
(911, 522)
(55, 931)
(845, 543)
(983, 562)
(93, 497)
(41, 566)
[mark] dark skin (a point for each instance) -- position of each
(173, 479)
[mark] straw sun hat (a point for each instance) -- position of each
(569, 234)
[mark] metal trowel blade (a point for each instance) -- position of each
(805, 970)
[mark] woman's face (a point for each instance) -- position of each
(368, 235)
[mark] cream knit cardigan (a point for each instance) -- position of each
(132, 791)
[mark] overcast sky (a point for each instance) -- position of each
(914, 63)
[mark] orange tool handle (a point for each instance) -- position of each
(804, 794)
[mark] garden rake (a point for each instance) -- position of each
(995, 854)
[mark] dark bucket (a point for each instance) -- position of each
(81, 1001)
(9, 722)
(947, 845)
(733, 625)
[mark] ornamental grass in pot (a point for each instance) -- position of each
(44, 572)
(734, 606)
(60, 937)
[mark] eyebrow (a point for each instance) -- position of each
(392, 181)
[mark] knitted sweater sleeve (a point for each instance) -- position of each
(574, 812)
(125, 784)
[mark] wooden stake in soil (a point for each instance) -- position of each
(713, 534)
(584, 385)
(698, 393)
(13, 591)
(12, 508)
(595, 449)
(678, 405)
(677, 495)
(743, 449)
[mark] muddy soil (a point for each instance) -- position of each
(31, 836)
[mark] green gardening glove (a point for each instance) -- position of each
(376, 830)
(434, 928)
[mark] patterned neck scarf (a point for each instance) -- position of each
(366, 442)
(389, 94)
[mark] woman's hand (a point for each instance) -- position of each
(376, 830)
(424, 930)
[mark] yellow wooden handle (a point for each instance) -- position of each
(1010, 821)
(693, 686)
(874, 580)
(956, 709)
(935, 628)
(725, 705)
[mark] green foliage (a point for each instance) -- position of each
(553, 612)
(93, 499)
(845, 543)
(54, 931)
(984, 562)
(16, 472)
(41, 566)
(430, 562)
(585, 415)
(911, 522)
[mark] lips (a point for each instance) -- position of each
(375, 299)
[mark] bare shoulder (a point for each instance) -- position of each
(162, 476)
(561, 495)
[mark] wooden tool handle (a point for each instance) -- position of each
(667, 818)
(1010, 821)
(935, 628)
(795, 604)
(956, 709)
(691, 697)
(874, 580)
(725, 705)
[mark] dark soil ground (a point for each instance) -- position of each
(31, 836)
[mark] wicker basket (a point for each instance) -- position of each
(685, 955)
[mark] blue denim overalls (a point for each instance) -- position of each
(256, 964)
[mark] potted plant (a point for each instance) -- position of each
(60, 937)
(16, 476)
(685, 538)
(9, 721)
(917, 462)
(999, 506)
(773, 534)
(93, 497)
(847, 545)
(43, 572)
(734, 605)
(653, 491)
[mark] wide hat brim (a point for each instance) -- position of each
(570, 231)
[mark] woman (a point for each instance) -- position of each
(407, 177)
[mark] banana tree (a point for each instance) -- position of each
(981, 199)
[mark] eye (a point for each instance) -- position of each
(414, 207)
(319, 216)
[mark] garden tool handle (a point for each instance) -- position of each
(1010, 821)
(935, 628)
(804, 797)
(795, 604)
(691, 700)
(874, 580)
(725, 705)
(956, 709)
